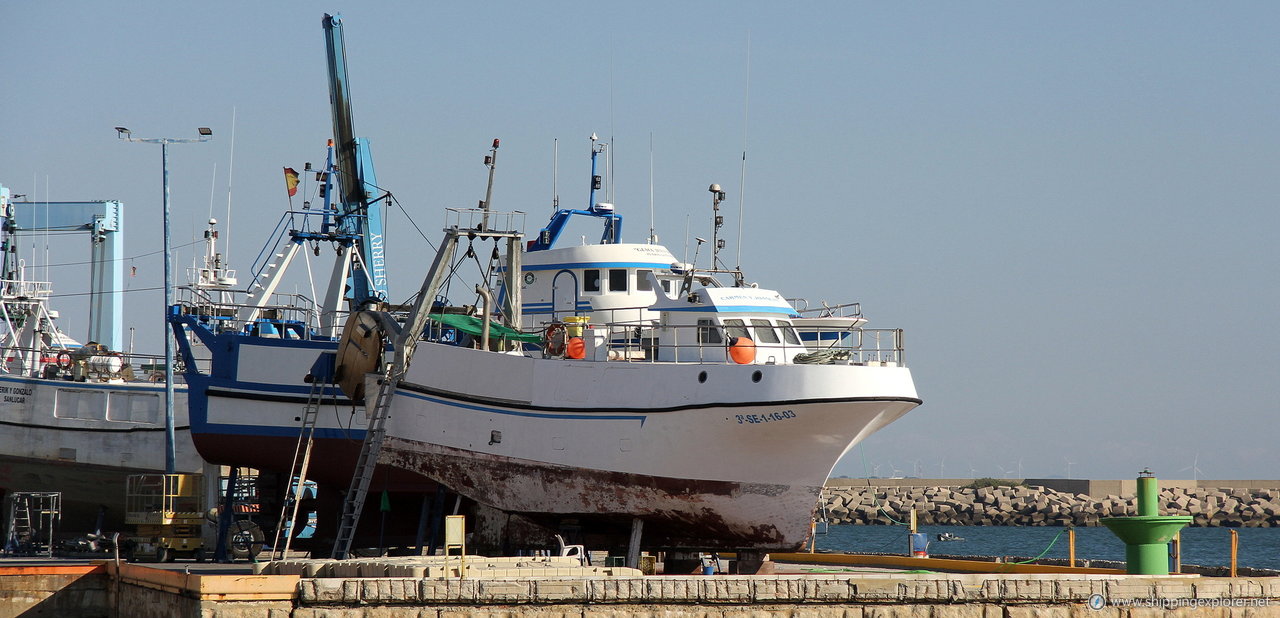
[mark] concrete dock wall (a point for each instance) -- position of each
(138, 592)
(55, 591)
(935, 595)
(1037, 505)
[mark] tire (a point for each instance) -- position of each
(164, 554)
(246, 540)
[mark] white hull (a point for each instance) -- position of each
(83, 439)
(98, 424)
(726, 462)
(729, 462)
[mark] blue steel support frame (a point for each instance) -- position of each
(104, 222)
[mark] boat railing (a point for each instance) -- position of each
(286, 315)
(642, 339)
(845, 310)
(298, 226)
(685, 344)
(23, 288)
(85, 364)
(482, 219)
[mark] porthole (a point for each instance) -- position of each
(702, 377)
(756, 376)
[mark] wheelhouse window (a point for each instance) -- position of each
(736, 328)
(764, 330)
(788, 332)
(666, 285)
(617, 279)
(708, 332)
(642, 280)
(591, 280)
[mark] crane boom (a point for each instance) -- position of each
(358, 188)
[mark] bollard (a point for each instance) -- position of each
(1235, 549)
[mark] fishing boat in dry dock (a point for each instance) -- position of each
(607, 388)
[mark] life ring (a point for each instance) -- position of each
(742, 350)
(64, 360)
(553, 339)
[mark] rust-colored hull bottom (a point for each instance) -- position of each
(678, 513)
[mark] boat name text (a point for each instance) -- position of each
(764, 418)
(379, 262)
(15, 394)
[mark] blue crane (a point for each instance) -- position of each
(359, 216)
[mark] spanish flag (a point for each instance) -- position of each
(291, 181)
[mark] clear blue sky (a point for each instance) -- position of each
(1070, 208)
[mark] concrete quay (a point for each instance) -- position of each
(110, 590)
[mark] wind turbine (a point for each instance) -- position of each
(942, 468)
(1194, 468)
(1069, 464)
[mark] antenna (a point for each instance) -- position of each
(742, 181)
(653, 238)
(686, 239)
(226, 243)
(608, 161)
(555, 175)
(213, 185)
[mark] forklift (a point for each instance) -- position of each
(168, 510)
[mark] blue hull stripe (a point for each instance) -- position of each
(468, 406)
(572, 265)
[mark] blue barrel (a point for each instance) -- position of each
(919, 544)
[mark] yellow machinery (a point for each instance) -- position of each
(168, 510)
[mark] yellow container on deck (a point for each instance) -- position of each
(574, 325)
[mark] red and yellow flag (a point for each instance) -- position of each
(291, 181)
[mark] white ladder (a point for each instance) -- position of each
(366, 464)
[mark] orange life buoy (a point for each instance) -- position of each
(742, 350)
(576, 348)
(554, 340)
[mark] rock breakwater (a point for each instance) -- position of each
(1039, 506)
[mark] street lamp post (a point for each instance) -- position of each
(170, 451)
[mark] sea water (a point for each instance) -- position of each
(1258, 547)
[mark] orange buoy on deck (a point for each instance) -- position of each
(576, 348)
(742, 350)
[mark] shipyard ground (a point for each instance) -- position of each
(30, 587)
